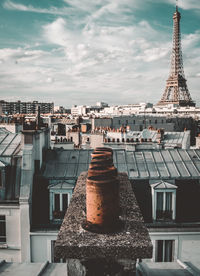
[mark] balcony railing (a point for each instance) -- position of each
(58, 214)
(164, 215)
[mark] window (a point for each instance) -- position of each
(60, 195)
(164, 205)
(28, 139)
(2, 229)
(164, 250)
(163, 201)
(53, 258)
(60, 204)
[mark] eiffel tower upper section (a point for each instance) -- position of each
(176, 91)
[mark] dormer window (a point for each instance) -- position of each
(60, 195)
(60, 204)
(163, 201)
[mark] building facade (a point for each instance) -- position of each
(166, 184)
(25, 107)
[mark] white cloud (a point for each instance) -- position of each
(103, 56)
(55, 32)
(98, 8)
(20, 54)
(184, 4)
(191, 40)
(10, 5)
(189, 4)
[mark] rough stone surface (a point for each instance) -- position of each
(131, 242)
(100, 267)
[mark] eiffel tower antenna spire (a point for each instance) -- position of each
(176, 5)
(176, 91)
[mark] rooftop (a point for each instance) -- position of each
(152, 164)
(165, 269)
(169, 138)
(9, 142)
(52, 269)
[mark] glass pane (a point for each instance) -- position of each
(54, 259)
(2, 239)
(159, 253)
(56, 202)
(160, 201)
(2, 229)
(168, 206)
(168, 251)
(159, 206)
(2, 218)
(64, 202)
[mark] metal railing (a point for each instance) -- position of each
(164, 215)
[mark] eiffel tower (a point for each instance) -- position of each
(176, 91)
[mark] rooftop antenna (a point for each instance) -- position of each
(176, 5)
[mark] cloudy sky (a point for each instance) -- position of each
(83, 51)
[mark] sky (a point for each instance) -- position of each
(82, 51)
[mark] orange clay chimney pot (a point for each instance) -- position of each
(102, 193)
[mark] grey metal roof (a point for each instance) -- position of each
(53, 269)
(170, 138)
(8, 142)
(154, 164)
(2, 165)
(165, 269)
(32, 269)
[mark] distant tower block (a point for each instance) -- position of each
(176, 91)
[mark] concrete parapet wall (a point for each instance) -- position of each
(132, 241)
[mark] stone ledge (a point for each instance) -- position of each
(131, 242)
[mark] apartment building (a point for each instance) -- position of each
(25, 107)
(165, 182)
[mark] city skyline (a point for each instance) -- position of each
(77, 52)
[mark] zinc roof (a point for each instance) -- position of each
(52, 269)
(153, 164)
(169, 138)
(8, 142)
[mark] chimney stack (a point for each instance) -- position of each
(102, 193)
